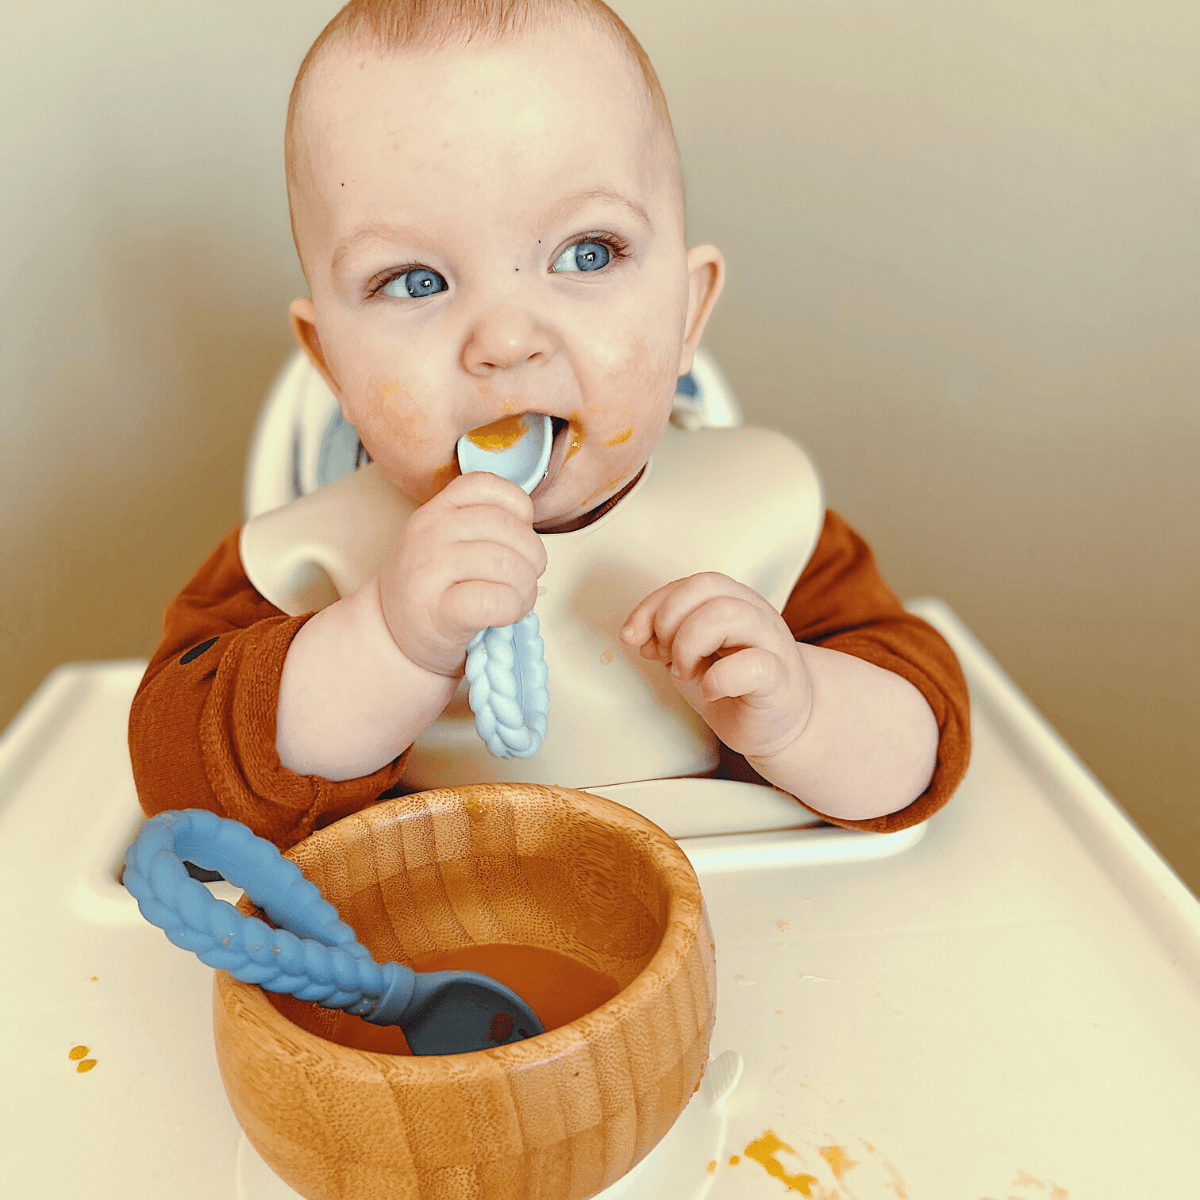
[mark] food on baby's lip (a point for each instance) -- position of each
(576, 435)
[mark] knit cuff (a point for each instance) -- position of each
(237, 734)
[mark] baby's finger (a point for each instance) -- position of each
(475, 604)
(723, 623)
(638, 629)
(653, 623)
(490, 523)
(693, 592)
(482, 487)
(748, 673)
(491, 562)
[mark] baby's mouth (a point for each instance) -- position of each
(558, 454)
(518, 443)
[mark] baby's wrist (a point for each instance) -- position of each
(387, 628)
(789, 745)
(350, 698)
(783, 749)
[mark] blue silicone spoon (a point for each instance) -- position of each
(521, 460)
(314, 954)
(506, 665)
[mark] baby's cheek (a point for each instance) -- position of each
(636, 381)
(403, 438)
(388, 410)
(623, 438)
(620, 456)
(635, 356)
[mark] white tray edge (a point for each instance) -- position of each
(1159, 896)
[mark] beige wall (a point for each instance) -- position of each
(964, 251)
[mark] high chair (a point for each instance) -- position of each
(1002, 1002)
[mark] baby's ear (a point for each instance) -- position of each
(304, 329)
(706, 278)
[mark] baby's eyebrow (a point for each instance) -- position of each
(560, 210)
(376, 231)
(563, 208)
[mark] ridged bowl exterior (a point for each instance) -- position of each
(558, 1117)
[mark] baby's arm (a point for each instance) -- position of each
(202, 724)
(842, 735)
(203, 728)
(367, 674)
(842, 604)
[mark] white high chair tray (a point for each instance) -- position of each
(1005, 1007)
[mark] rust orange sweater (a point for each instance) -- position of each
(202, 726)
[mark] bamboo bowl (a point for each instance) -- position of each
(557, 1117)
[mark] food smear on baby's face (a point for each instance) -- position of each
(559, 989)
(575, 427)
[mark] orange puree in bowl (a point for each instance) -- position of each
(499, 435)
(556, 987)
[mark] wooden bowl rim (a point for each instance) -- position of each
(668, 960)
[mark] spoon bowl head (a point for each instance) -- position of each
(515, 448)
(456, 1011)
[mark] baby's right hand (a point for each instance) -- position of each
(466, 559)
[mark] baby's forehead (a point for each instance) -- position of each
(527, 111)
(352, 82)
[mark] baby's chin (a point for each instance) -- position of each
(555, 504)
(568, 498)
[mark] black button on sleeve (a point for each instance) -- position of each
(195, 652)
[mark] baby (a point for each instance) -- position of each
(487, 204)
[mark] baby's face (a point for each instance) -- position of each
(495, 231)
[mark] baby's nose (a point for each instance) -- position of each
(504, 337)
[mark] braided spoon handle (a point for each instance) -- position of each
(314, 955)
(506, 664)
(506, 671)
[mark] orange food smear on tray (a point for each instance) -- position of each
(763, 1151)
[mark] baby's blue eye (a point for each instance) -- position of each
(583, 256)
(420, 281)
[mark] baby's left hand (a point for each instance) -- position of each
(730, 655)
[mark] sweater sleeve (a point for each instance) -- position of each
(202, 725)
(842, 603)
